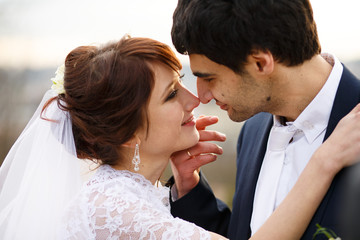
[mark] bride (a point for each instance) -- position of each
(123, 107)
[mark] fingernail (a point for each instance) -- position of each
(223, 136)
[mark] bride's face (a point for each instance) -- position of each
(170, 114)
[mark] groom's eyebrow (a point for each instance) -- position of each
(203, 75)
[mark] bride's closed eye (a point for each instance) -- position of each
(174, 92)
(172, 95)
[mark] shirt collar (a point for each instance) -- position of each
(314, 119)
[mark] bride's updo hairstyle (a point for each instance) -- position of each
(107, 91)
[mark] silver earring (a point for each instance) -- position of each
(136, 158)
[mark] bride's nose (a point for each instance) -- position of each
(191, 102)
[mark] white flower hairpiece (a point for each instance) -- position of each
(58, 80)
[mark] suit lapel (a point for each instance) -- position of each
(252, 142)
(347, 97)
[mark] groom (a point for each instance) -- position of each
(261, 61)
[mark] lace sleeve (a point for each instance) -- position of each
(111, 214)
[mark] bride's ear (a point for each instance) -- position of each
(132, 142)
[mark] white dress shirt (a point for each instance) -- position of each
(310, 131)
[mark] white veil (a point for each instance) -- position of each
(39, 176)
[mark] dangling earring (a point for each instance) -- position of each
(136, 158)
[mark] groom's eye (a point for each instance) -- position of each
(208, 79)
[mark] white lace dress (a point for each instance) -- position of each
(117, 204)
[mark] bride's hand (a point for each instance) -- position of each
(343, 145)
(185, 164)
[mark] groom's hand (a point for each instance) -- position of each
(186, 164)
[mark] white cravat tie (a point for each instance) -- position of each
(269, 176)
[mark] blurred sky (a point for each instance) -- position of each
(39, 33)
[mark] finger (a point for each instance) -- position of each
(199, 161)
(205, 159)
(203, 122)
(207, 135)
(180, 157)
(203, 148)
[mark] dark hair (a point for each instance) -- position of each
(107, 93)
(227, 31)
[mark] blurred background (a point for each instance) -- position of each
(36, 35)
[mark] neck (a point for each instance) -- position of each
(151, 166)
(295, 87)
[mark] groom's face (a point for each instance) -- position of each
(242, 96)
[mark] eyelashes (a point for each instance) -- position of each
(209, 80)
(174, 92)
(181, 77)
(172, 95)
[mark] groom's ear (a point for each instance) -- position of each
(261, 62)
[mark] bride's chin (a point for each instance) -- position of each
(193, 140)
(187, 141)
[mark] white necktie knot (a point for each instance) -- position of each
(280, 138)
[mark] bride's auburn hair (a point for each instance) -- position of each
(107, 93)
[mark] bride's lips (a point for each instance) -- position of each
(189, 122)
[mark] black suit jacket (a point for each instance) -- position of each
(201, 207)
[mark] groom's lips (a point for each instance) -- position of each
(222, 106)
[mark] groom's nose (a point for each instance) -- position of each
(204, 92)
